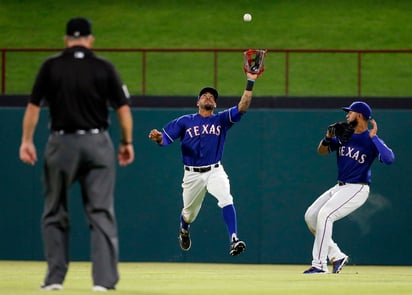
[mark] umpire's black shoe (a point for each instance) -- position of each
(184, 240)
(237, 247)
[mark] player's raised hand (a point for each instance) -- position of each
(252, 76)
(374, 130)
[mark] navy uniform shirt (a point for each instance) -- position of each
(202, 138)
(356, 156)
(78, 86)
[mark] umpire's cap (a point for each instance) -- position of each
(211, 90)
(361, 108)
(78, 27)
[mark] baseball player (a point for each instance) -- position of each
(355, 156)
(202, 137)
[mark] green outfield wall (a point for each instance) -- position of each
(275, 174)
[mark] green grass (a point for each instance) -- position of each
(298, 24)
(181, 278)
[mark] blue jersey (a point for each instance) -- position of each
(202, 138)
(356, 156)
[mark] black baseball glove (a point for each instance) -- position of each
(342, 130)
(254, 61)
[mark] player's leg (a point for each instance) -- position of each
(194, 191)
(97, 185)
(218, 185)
(344, 201)
(334, 252)
(311, 214)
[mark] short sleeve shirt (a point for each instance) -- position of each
(202, 138)
(78, 87)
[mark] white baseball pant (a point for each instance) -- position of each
(334, 204)
(195, 185)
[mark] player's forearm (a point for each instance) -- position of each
(245, 101)
(31, 117)
(247, 94)
(323, 147)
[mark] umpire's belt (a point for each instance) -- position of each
(79, 131)
(201, 169)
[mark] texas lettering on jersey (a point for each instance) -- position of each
(351, 152)
(205, 129)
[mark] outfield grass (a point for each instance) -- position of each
(297, 24)
(207, 279)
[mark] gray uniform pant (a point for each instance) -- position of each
(90, 160)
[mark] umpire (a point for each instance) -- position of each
(79, 87)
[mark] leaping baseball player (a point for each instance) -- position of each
(202, 137)
(356, 148)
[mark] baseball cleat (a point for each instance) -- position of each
(184, 240)
(314, 270)
(51, 287)
(338, 264)
(237, 247)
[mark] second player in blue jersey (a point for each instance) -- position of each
(354, 161)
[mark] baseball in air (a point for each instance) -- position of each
(247, 17)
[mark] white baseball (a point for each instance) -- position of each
(247, 17)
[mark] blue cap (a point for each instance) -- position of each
(211, 90)
(361, 108)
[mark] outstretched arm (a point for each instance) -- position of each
(246, 99)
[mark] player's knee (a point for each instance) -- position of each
(225, 203)
(310, 217)
(188, 217)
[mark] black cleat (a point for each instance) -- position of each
(237, 247)
(184, 240)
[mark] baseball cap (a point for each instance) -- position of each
(361, 108)
(78, 26)
(211, 90)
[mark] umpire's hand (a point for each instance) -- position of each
(125, 154)
(28, 153)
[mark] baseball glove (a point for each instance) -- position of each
(254, 61)
(342, 130)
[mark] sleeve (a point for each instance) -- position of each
(172, 131)
(119, 94)
(234, 114)
(39, 89)
(231, 115)
(386, 155)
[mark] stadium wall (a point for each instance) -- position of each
(275, 174)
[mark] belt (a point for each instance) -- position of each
(201, 169)
(340, 183)
(79, 131)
